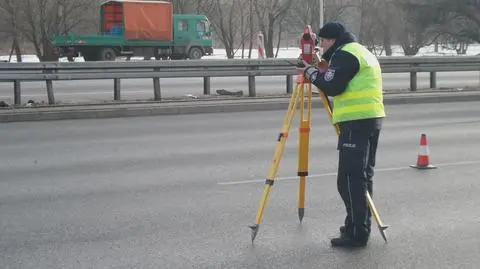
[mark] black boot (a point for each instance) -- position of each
(347, 241)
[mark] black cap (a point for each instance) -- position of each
(332, 30)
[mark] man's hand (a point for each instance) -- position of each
(302, 65)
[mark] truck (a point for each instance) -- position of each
(145, 28)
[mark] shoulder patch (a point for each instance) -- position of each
(329, 75)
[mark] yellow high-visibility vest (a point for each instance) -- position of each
(363, 97)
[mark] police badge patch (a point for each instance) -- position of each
(329, 74)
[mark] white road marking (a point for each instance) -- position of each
(389, 169)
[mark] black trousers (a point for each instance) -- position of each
(357, 150)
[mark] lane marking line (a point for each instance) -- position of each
(389, 169)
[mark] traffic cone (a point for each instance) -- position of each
(260, 46)
(423, 160)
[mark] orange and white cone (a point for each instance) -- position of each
(260, 46)
(423, 160)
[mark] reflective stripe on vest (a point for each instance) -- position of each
(363, 97)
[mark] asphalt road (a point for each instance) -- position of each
(142, 89)
(180, 191)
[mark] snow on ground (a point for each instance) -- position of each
(291, 52)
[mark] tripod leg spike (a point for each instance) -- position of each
(382, 232)
(301, 213)
(254, 231)
(373, 210)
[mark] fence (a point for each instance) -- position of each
(50, 71)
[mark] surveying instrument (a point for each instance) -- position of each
(307, 43)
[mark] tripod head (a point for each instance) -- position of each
(308, 42)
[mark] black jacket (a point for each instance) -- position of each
(342, 68)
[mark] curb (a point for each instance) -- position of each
(197, 107)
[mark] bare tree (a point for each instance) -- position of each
(230, 19)
(458, 19)
(181, 6)
(369, 31)
(416, 31)
(387, 24)
(453, 22)
(377, 26)
(9, 10)
(305, 14)
(39, 20)
(190, 6)
(242, 31)
(252, 25)
(351, 15)
(269, 14)
(225, 22)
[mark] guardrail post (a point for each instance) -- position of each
(17, 93)
(251, 83)
(206, 85)
(413, 81)
(49, 84)
(157, 95)
(251, 86)
(51, 98)
(116, 89)
(289, 84)
(433, 80)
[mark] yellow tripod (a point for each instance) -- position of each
(298, 96)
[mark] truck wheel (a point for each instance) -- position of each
(195, 53)
(107, 54)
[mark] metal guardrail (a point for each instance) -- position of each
(50, 71)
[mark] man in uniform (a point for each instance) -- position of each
(353, 79)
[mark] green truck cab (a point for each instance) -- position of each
(133, 28)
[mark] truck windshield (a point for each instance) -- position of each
(203, 26)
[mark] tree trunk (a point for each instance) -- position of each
(279, 39)
(251, 30)
(16, 47)
(387, 42)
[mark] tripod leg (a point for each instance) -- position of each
(371, 205)
(328, 107)
(304, 145)
(380, 225)
(281, 141)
